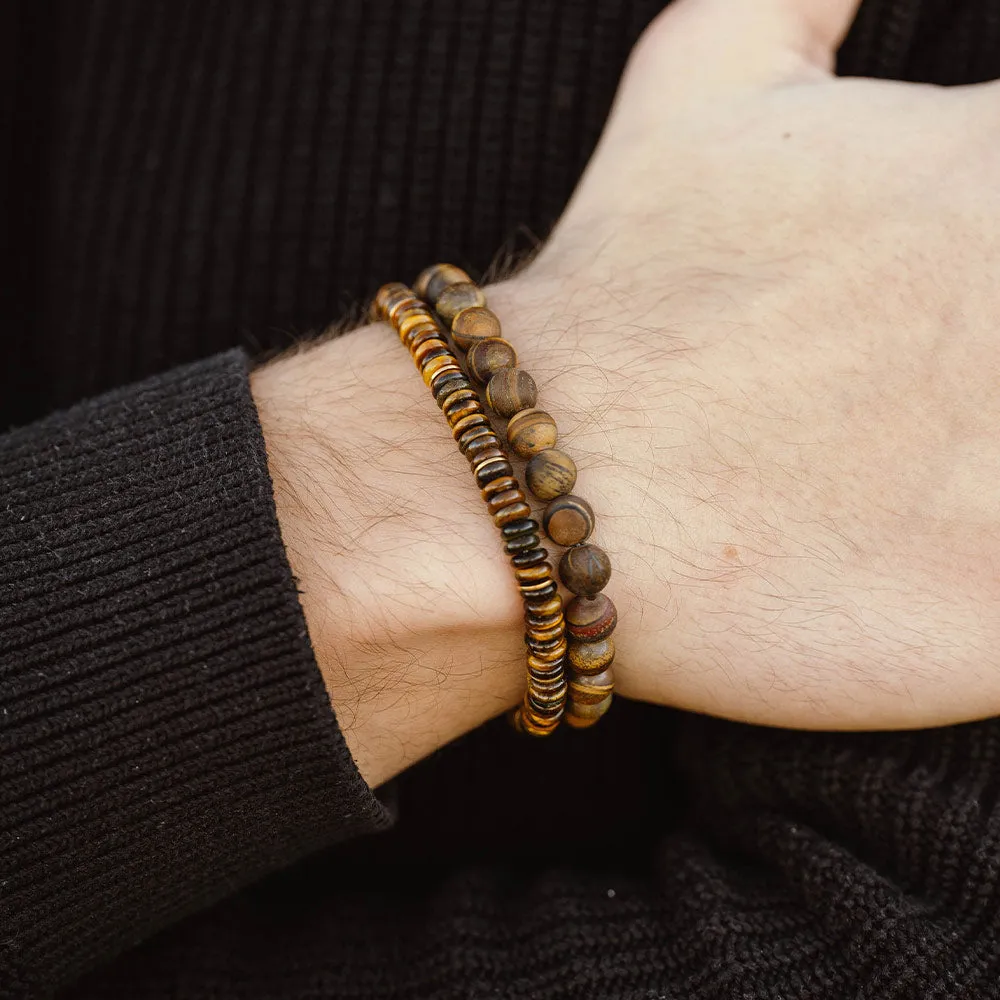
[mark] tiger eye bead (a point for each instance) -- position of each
(387, 296)
(447, 382)
(584, 716)
(507, 514)
(550, 474)
(589, 689)
(519, 543)
(530, 557)
(498, 485)
(592, 657)
(529, 431)
(568, 520)
(490, 469)
(433, 280)
(549, 607)
(462, 409)
(500, 500)
(435, 366)
(533, 573)
(591, 618)
(539, 592)
(473, 325)
(487, 357)
(455, 298)
(468, 422)
(585, 570)
(511, 390)
(522, 526)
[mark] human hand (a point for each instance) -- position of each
(767, 327)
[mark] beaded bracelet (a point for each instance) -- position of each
(418, 329)
(550, 474)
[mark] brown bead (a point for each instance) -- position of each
(547, 634)
(456, 297)
(489, 453)
(592, 657)
(462, 409)
(512, 513)
(530, 431)
(433, 280)
(456, 396)
(421, 351)
(584, 716)
(585, 570)
(568, 520)
(538, 591)
(473, 325)
(550, 655)
(543, 621)
(589, 689)
(529, 557)
(416, 324)
(591, 618)
(549, 607)
(489, 470)
(550, 474)
(539, 666)
(521, 542)
(467, 423)
(469, 438)
(531, 574)
(436, 366)
(500, 500)
(511, 390)
(487, 357)
(498, 485)
(386, 296)
(448, 382)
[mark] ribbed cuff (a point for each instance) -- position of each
(165, 736)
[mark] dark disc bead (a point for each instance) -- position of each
(473, 325)
(591, 618)
(550, 645)
(489, 356)
(498, 485)
(456, 396)
(550, 474)
(568, 520)
(504, 499)
(529, 431)
(418, 335)
(585, 570)
(429, 370)
(456, 297)
(386, 296)
(468, 422)
(462, 409)
(522, 526)
(533, 620)
(532, 557)
(521, 543)
(510, 391)
(511, 513)
(539, 593)
(468, 438)
(592, 657)
(547, 607)
(530, 574)
(491, 470)
(433, 347)
(448, 383)
(433, 280)
(583, 716)
(482, 449)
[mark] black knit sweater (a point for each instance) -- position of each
(179, 815)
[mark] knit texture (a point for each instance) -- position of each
(188, 176)
(166, 736)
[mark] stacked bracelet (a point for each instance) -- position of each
(418, 329)
(550, 474)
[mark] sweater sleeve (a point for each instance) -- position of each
(165, 736)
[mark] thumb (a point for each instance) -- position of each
(698, 48)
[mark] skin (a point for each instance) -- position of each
(766, 330)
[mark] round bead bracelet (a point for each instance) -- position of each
(420, 332)
(550, 474)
